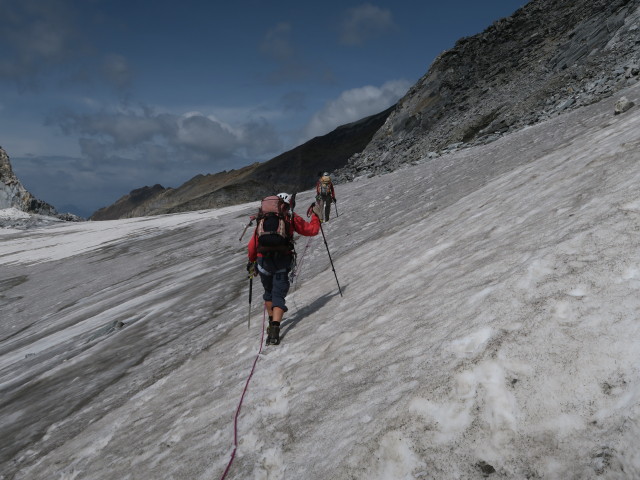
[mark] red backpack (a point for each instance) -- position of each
(274, 229)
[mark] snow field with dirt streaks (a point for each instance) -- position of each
(489, 326)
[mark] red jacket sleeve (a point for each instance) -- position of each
(308, 229)
(253, 247)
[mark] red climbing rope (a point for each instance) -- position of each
(235, 421)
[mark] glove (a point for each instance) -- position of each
(251, 267)
(334, 200)
(313, 208)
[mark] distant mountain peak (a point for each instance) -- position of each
(14, 195)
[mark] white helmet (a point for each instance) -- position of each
(286, 198)
(326, 174)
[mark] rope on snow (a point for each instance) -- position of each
(246, 386)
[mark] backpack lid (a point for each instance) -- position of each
(273, 204)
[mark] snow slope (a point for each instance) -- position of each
(489, 328)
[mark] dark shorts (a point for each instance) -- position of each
(274, 275)
(324, 203)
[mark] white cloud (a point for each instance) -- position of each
(354, 105)
(278, 46)
(364, 22)
(277, 43)
(46, 40)
(163, 142)
(260, 138)
(37, 35)
(121, 130)
(205, 135)
(117, 71)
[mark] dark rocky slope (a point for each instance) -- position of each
(548, 57)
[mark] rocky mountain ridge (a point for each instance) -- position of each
(14, 195)
(294, 170)
(547, 58)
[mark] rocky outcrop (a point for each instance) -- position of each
(550, 56)
(14, 195)
(622, 105)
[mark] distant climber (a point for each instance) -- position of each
(271, 252)
(325, 195)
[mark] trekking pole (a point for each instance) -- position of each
(335, 205)
(250, 292)
(331, 261)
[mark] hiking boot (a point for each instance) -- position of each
(273, 333)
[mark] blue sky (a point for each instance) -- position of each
(99, 97)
